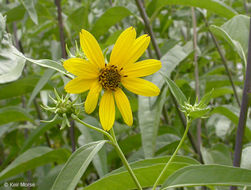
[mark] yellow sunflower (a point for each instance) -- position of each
(94, 75)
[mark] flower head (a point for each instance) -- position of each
(122, 70)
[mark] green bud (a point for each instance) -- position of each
(63, 108)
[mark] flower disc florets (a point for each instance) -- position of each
(109, 77)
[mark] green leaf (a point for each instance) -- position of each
(33, 158)
(36, 133)
(47, 181)
(146, 171)
(89, 135)
(15, 14)
(149, 112)
(206, 98)
(76, 165)
(178, 94)
(30, 8)
(245, 157)
(209, 175)
(20, 87)
(2, 26)
(12, 114)
(108, 19)
(150, 108)
(82, 21)
(236, 39)
(214, 6)
(171, 60)
(217, 154)
(41, 83)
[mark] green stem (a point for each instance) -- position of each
(123, 158)
(92, 127)
(173, 156)
(114, 142)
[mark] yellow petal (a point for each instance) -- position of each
(122, 46)
(138, 48)
(78, 85)
(142, 68)
(124, 106)
(92, 97)
(140, 86)
(81, 67)
(107, 110)
(91, 49)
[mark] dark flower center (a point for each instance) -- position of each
(109, 77)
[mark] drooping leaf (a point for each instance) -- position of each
(236, 39)
(76, 165)
(209, 175)
(146, 171)
(11, 61)
(33, 158)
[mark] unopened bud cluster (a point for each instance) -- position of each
(63, 108)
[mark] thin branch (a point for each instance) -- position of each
(72, 136)
(148, 27)
(224, 61)
(61, 28)
(157, 51)
(244, 109)
(245, 6)
(196, 75)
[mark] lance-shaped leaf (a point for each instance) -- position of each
(76, 165)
